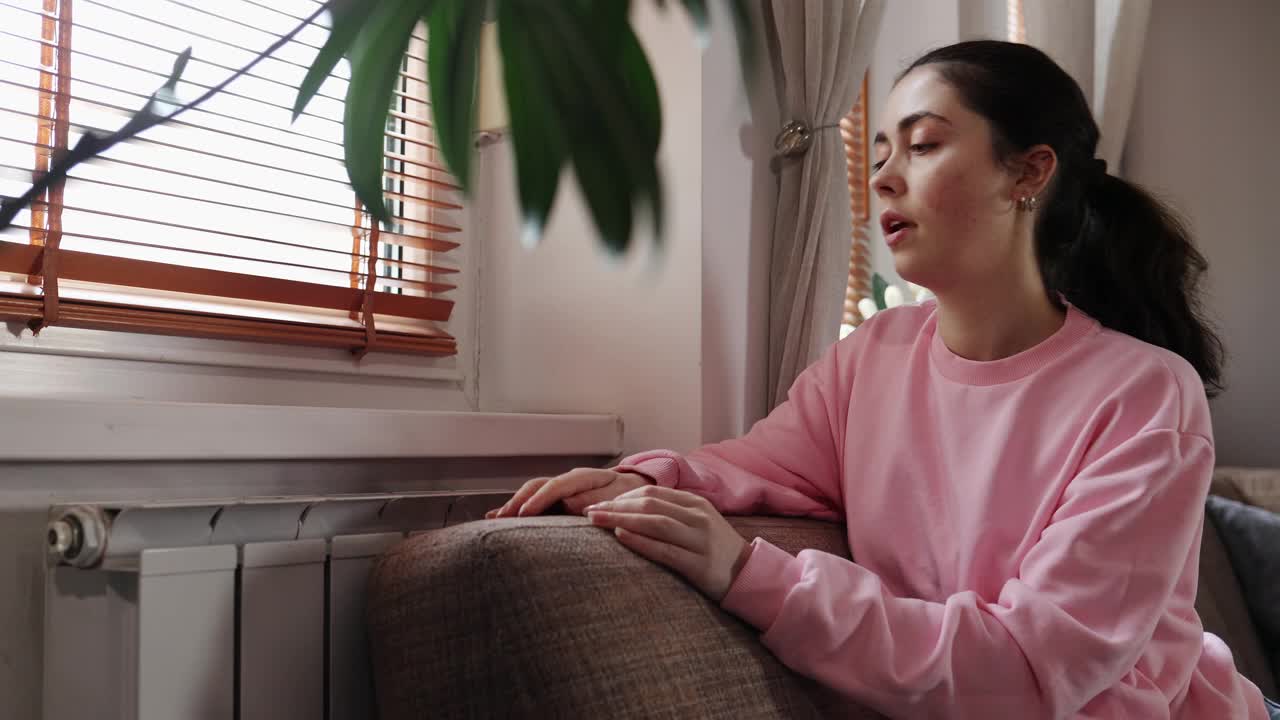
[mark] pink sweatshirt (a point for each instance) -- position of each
(1026, 531)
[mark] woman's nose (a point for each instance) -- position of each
(887, 182)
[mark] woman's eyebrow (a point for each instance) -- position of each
(905, 124)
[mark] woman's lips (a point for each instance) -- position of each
(896, 237)
(894, 225)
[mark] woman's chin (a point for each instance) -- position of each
(912, 270)
(908, 265)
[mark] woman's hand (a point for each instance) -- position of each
(677, 529)
(576, 489)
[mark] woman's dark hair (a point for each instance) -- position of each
(1106, 245)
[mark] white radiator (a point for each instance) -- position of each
(244, 610)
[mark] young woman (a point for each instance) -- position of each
(1022, 463)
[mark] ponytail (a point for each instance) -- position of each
(1132, 266)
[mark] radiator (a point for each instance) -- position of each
(237, 610)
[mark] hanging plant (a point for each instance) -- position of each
(580, 93)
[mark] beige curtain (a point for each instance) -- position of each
(1100, 43)
(821, 49)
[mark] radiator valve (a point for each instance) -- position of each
(77, 536)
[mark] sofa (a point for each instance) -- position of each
(550, 617)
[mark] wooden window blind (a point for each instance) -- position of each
(854, 130)
(229, 221)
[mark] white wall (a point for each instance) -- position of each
(985, 19)
(739, 197)
(567, 329)
(1203, 136)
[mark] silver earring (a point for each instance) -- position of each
(1028, 204)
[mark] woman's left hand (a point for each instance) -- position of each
(677, 529)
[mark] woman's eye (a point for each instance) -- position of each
(914, 148)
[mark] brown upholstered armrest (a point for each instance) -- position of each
(794, 534)
(551, 617)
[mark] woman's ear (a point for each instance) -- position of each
(1035, 170)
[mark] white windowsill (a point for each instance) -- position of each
(44, 429)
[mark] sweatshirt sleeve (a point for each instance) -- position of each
(1070, 625)
(787, 464)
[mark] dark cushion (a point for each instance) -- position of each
(1251, 536)
(1222, 610)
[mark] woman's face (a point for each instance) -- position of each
(947, 209)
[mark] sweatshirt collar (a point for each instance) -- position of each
(1075, 328)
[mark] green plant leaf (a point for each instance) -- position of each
(453, 38)
(607, 197)
(375, 55)
(639, 91)
(538, 136)
(641, 86)
(878, 286)
(609, 104)
(744, 27)
(346, 18)
(697, 10)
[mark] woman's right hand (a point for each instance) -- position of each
(577, 489)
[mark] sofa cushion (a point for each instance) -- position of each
(1251, 536)
(1223, 612)
(551, 617)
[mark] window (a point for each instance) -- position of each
(230, 221)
